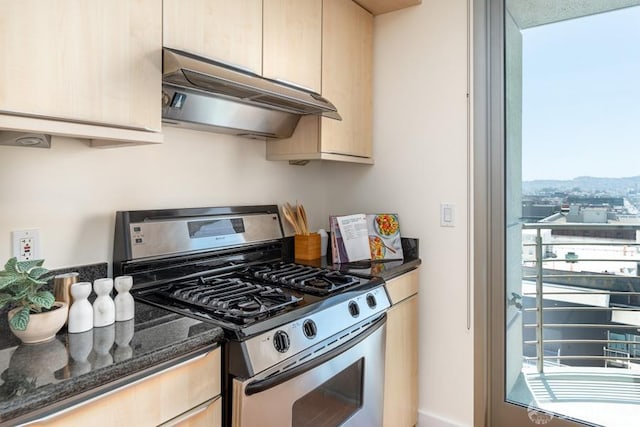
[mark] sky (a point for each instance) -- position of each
(581, 97)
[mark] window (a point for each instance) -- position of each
(559, 199)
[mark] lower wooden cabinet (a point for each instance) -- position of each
(401, 355)
(186, 394)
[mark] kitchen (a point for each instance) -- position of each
(71, 191)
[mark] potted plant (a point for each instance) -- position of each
(35, 315)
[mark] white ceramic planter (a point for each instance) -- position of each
(42, 326)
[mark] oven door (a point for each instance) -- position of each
(343, 387)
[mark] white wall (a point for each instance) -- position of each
(71, 191)
(420, 146)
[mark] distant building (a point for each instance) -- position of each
(588, 214)
(533, 212)
(614, 202)
(592, 215)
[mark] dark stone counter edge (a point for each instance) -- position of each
(411, 261)
(411, 251)
(58, 396)
(401, 269)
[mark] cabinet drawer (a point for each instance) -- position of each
(150, 401)
(402, 287)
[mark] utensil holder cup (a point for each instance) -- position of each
(307, 246)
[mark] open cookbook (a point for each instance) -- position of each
(361, 237)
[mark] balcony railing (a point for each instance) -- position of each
(585, 272)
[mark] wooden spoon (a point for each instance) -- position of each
(293, 211)
(288, 214)
(303, 220)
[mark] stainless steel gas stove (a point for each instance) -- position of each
(297, 336)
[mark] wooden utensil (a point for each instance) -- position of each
(287, 210)
(294, 214)
(302, 215)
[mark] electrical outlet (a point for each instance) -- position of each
(26, 244)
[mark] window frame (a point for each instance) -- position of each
(489, 235)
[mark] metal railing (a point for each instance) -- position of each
(621, 291)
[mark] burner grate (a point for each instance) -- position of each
(232, 298)
(318, 281)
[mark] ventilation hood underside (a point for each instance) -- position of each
(208, 95)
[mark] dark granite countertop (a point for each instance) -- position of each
(385, 270)
(39, 378)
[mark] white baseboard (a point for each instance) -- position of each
(426, 419)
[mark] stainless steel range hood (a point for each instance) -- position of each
(208, 95)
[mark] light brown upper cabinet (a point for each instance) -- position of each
(82, 69)
(292, 42)
(278, 39)
(225, 30)
(347, 44)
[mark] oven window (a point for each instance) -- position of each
(333, 402)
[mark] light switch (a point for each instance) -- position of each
(447, 215)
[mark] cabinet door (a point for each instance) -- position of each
(292, 42)
(401, 365)
(82, 61)
(151, 401)
(347, 44)
(225, 30)
(347, 54)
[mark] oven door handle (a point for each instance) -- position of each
(267, 383)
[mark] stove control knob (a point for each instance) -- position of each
(281, 341)
(371, 301)
(309, 328)
(354, 309)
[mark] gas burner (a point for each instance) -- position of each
(232, 298)
(303, 278)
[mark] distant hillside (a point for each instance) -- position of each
(586, 184)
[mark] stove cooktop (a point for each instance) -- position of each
(253, 298)
(312, 280)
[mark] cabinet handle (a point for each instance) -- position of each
(190, 413)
